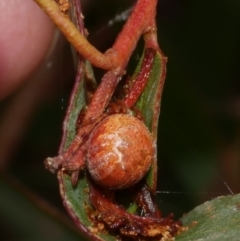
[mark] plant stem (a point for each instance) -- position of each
(140, 21)
(73, 35)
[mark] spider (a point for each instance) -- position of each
(104, 133)
(99, 136)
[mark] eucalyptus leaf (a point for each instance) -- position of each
(76, 198)
(151, 96)
(215, 220)
(149, 105)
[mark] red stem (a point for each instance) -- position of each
(140, 80)
(141, 20)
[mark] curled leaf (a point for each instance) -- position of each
(76, 199)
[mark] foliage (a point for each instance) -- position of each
(198, 126)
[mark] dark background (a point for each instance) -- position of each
(199, 128)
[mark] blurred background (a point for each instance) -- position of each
(199, 127)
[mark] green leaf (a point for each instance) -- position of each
(216, 220)
(76, 198)
(149, 101)
(77, 102)
(77, 203)
(149, 105)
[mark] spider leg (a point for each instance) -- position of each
(73, 158)
(77, 162)
(74, 177)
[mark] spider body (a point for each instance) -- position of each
(116, 150)
(119, 151)
(115, 147)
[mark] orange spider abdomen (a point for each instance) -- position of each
(120, 151)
